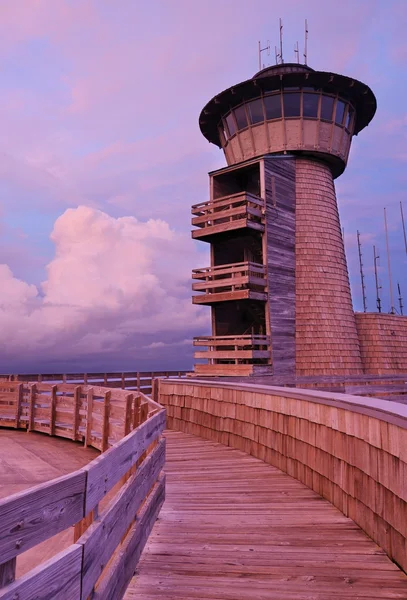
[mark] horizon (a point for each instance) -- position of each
(102, 158)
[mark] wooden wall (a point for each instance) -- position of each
(383, 342)
(326, 336)
(350, 450)
(279, 188)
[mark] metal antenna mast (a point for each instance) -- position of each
(306, 43)
(378, 287)
(362, 277)
(263, 50)
(392, 309)
(297, 52)
(404, 227)
(281, 41)
(400, 299)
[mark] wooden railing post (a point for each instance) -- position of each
(31, 408)
(7, 572)
(105, 427)
(52, 409)
(127, 418)
(136, 412)
(19, 401)
(89, 408)
(76, 403)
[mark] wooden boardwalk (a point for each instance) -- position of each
(235, 528)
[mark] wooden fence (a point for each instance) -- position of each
(129, 380)
(112, 502)
(350, 450)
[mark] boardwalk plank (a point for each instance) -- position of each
(235, 528)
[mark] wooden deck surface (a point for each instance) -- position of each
(235, 528)
(27, 459)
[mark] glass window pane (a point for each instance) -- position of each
(349, 117)
(272, 104)
(292, 105)
(340, 112)
(255, 110)
(230, 122)
(223, 132)
(310, 105)
(240, 115)
(327, 105)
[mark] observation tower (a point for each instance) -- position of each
(278, 283)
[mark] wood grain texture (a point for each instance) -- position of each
(31, 516)
(108, 468)
(326, 337)
(383, 342)
(119, 573)
(351, 451)
(236, 528)
(58, 578)
(279, 181)
(102, 538)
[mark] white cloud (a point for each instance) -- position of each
(111, 282)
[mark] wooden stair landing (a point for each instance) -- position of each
(235, 528)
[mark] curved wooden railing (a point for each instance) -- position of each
(113, 501)
(350, 450)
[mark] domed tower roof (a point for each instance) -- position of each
(283, 76)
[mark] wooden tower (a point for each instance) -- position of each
(278, 282)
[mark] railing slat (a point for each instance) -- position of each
(102, 538)
(108, 468)
(121, 570)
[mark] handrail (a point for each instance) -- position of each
(226, 200)
(127, 428)
(228, 269)
(351, 450)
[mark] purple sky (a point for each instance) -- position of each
(101, 158)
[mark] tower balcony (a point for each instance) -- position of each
(237, 281)
(233, 354)
(238, 211)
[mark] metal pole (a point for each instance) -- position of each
(404, 227)
(259, 56)
(281, 41)
(400, 299)
(362, 277)
(378, 287)
(392, 309)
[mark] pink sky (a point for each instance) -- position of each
(101, 158)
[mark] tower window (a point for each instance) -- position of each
(241, 119)
(255, 110)
(292, 105)
(230, 125)
(310, 105)
(327, 106)
(349, 117)
(272, 105)
(340, 112)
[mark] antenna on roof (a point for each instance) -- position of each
(392, 309)
(400, 299)
(281, 41)
(404, 227)
(263, 50)
(362, 277)
(378, 287)
(306, 43)
(297, 52)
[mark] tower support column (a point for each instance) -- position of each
(326, 336)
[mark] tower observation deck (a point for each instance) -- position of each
(278, 283)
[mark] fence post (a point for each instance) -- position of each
(7, 572)
(76, 402)
(52, 412)
(33, 388)
(89, 408)
(18, 403)
(105, 428)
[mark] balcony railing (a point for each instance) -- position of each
(235, 281)
(234, 349)
(227, 213)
